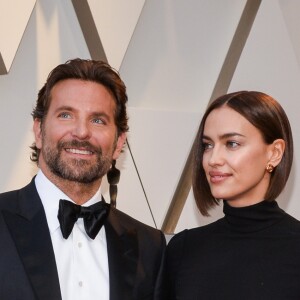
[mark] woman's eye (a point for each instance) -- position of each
(206, 146)
(232, 144)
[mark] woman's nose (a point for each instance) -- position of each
(216, 157)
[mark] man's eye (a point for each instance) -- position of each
(64, 115)
(98, 121)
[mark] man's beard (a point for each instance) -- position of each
(78, 170)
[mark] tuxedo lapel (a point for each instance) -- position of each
(29, 230)
(122, 247)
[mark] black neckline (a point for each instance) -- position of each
(253, 218)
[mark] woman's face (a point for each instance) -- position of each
(235, 158)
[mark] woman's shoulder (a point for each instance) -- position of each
(190, 235)
(290, 223)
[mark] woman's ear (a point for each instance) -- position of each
(276, 152)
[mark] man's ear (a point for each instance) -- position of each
(37, 130)
(119, 146)
(276, 152)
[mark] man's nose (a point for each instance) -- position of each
(81, 130)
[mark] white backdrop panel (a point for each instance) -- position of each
(115, 22)
(14, 16)
(176, 52)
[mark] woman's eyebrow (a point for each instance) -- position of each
(224, 136)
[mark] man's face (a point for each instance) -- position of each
(78, 138)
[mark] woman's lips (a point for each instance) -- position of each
(217, 177)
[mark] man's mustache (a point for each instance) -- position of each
(79, 144)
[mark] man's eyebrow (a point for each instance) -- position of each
(65, 107)
(101, 114)
(94, 114)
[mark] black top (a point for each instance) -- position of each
(251, 253)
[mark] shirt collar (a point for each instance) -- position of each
(50, 195)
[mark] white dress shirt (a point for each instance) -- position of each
(82, 263)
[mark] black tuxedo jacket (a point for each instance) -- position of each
(27, 262)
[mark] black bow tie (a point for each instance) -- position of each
(93, 216)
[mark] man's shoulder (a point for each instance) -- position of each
(121, 220)
(9, 199)
(126, 220)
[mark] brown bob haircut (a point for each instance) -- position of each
(266, 114)
(87, 70)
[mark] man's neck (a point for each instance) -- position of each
(78, 192)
